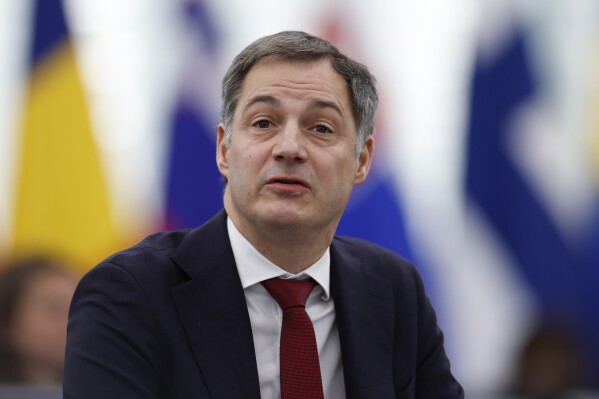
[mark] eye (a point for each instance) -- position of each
(262, 124)
(322, 129)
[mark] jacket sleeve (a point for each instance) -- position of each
(113, 348)
(433, 373)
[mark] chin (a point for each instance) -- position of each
(284, 221)
(284, 218)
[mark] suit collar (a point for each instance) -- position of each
(365, 317)
(212, 308)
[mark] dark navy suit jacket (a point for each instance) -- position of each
(167, 318)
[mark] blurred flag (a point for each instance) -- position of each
(193, 186)
(61, 202)
(374, 211)
(559, 266)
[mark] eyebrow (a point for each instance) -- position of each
(275, 102)
(322, 104)
(271, 100)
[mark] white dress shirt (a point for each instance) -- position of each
(266, 317)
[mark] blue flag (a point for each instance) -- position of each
(563, 276)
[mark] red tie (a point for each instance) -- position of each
(300, 368)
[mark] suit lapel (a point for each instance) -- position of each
(212, 307)
(365, 317)
(214, 313)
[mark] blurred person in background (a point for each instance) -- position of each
(35, 294)
(553, 364)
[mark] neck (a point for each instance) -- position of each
(291, 249)
(292, 255)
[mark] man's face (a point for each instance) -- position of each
(291, 162)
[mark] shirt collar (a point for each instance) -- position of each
(253, 267)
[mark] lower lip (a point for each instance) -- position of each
(288, 189)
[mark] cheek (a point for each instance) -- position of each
(238, 162)
(245, 167)
(28, 331)
(40, 330)
(339, 172)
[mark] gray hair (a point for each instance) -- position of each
(301, 46)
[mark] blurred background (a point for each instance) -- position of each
(486, 170)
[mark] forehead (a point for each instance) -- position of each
(300, 79)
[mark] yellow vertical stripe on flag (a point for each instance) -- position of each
(62, 203)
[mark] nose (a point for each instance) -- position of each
(290, 145)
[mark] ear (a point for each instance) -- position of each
(221, 151)
(364, 161)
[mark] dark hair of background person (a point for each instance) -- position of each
(553, 363)
(16, 279)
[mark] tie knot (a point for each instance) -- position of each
(289, 293)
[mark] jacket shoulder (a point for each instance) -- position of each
(377, 258)
(160, 244)
(171, 254)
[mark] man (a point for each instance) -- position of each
(203, 313)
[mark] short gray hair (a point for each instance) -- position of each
(301, 46)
